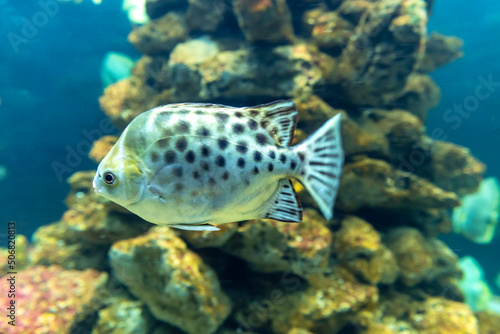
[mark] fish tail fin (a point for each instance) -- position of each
(322, 159)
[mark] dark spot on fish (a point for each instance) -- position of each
(183, 111)
(154, 157)
(211, 181)
(222, 117)
(238, 114)
(261, 138)
(205, 166)
(203, 132)
(255, 170)
(247, 182)
(264, 123)
(199, 112)
(162, 143)
(222, 143)
(181, 144)
(282, 158)
(270, 167)
(190, 157)
(272, 155)
(170, 157)
(238, 128)
(302, 156)
(220, 161)
(257, 156)
(179, 187)
(241, 163)
(225, 176)
(167, 133)
(252, 124)
(293, 164)
(178, 171)
(205, 151)
(254, 112)
(274, 131)
(242, 147)
(182, 127)
(196, 174)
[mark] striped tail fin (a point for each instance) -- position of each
(323, 158)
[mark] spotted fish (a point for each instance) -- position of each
(192, 165)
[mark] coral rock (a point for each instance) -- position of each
(271, 246)
(419, 258)
(124, 317)
(53, 300)
(455, 169)
(383, 187)
(323, 306)
(126, 99)
(159, 36)
(101, 147)
(56, 244)
(384, 49)
(171, 280)
(358, 247)
(328, 30)
(158, 8)
(264, 20)
(205, 15)
(441, 316)
(440, 50)
(489, 323)
(419, 95)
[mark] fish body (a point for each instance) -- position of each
(478, 215)
(192, 165)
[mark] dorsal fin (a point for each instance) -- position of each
(278, 118)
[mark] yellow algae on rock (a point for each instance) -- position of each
(441, 316)
(159, 36)
(371, 183)
(453, 168)
(174, 282)
(101, 147)
(418, 258)
(325, 305)
(359, 248)
(271, 246)
(488, 322)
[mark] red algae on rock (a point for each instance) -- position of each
(53, 300)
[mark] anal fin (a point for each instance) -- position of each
(284, 204)
(188, 227)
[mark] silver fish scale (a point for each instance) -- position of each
(220, 152)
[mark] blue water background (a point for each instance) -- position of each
(49, 93)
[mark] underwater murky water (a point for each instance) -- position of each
(366, 201)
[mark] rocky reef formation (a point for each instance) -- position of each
(376, 267)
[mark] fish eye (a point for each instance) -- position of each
(109, 178)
